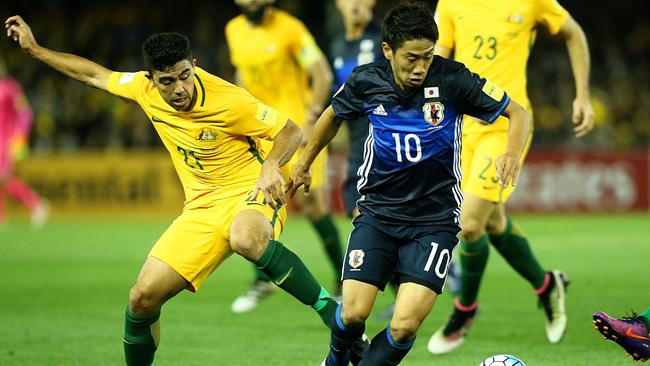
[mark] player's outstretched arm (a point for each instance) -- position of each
(326, 128)
(576, 42)
(508, 164)
(76, 67)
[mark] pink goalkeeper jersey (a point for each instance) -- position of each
(15, 118)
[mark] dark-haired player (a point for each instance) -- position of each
(410, 178)
(233, 198)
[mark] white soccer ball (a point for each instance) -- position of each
(502, 360)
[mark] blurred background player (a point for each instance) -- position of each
(494, 39)
(358, 44)
(15, 123)
(632, 333)
(279, 62)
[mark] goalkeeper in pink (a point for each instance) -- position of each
(15, 123)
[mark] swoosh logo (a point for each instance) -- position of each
(284, 278)
(631, 334)
(156, 119)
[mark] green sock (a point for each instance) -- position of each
(289, 273)
(259, 275)
(329, 235)
(514, 247)
(141, 338)
(473, 259)
(646, 318)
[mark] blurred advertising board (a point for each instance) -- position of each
(146, 183)
(125, 183)
(562, 181)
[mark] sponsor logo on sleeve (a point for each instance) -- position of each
(266, 115)
(493, 90)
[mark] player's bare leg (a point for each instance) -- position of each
(251, 236)
(156, 283)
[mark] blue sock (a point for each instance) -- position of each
(385, 351)
(341, 340)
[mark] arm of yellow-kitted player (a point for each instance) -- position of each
(508, 164)
(76, 67)
(576, 42)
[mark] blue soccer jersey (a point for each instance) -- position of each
(411, 168)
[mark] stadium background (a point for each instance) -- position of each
(112, 191)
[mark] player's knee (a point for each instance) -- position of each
(352, 315)
(249, 243)
(143, 300)
(403, 330)
(496, 226)
(473, 229)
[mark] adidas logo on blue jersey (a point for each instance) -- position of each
(380, 110)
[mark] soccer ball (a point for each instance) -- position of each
(502, 360)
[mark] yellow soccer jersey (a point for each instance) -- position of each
(493, 38)
(272, 59)
(210, 145)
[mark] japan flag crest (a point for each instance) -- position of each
(434, 112)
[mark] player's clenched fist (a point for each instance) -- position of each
(19, 31)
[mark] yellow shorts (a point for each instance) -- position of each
(198, 241)
(478, 156)
(318, 168)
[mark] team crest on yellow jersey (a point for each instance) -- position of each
(207, 135)
(433, 112)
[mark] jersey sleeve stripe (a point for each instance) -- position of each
(497, 113)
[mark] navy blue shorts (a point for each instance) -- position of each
(419, 254)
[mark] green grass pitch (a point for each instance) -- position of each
(63, 291)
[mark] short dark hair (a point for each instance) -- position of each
(409, 20)
(164, 50)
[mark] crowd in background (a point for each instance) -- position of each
(69, 116)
